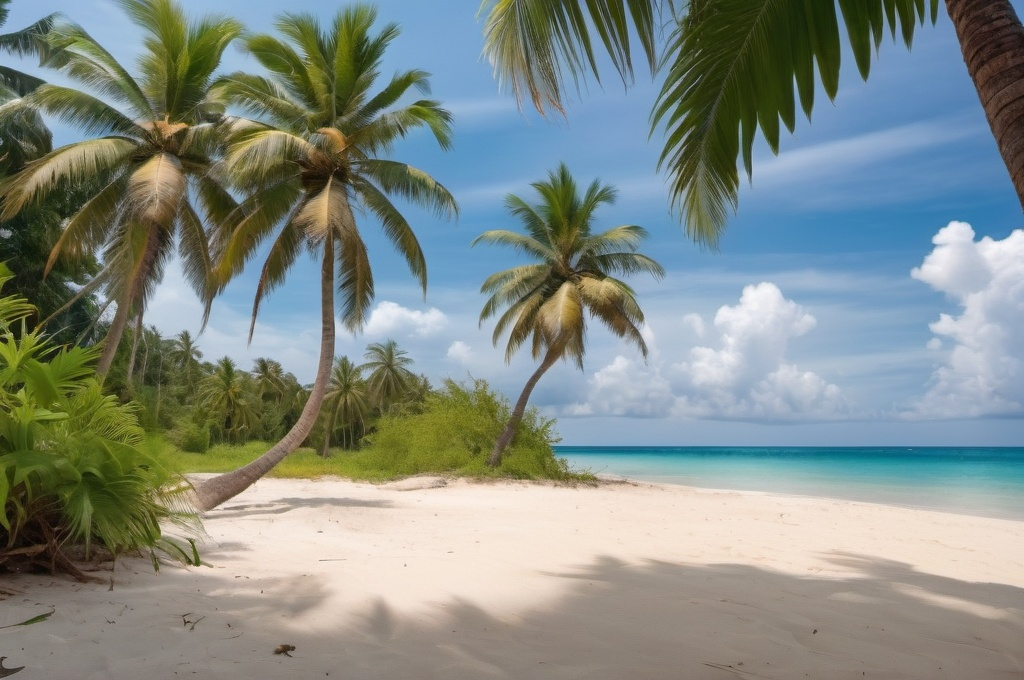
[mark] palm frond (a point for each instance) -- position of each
(156, 190)
(533, 44)
(396, 228)
(70, 164)
(90, 226)
(90, 115)
(733, 69)
(409, 182)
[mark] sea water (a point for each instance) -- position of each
(978, 481)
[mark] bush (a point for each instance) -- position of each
(190, 437)
(72, 470)
(455, 433)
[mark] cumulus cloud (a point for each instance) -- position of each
(744, 377)
(983, 372)
(459, 352)
(389, 318)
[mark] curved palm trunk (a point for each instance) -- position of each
(992, 41)
(215, 491)
(517, 413)
(132, 296)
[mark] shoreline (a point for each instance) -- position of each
(524, 580)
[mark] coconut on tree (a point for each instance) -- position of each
(546, 303)
(322, 130)
(735, 66)
(150, 166)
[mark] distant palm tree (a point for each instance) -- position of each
(321, 147)
(185, 356)
(153, 163)
(390, 378)
(546, 301)
(227, 397)
(733, 66)
(347, 404)
(270, 380)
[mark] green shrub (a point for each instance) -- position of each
(455, 433)
(190, 437)
(72, 468)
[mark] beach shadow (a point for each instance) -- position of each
(611, 620)
(283, 505)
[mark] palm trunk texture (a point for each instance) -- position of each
(509, 432)
(992, 41)
(221, 488)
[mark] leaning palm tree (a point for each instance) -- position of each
(545, 302)
(152, 164)
(390, 378)
(320, 146)
(347, 403)
(733, 66)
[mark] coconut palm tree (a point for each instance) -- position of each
(320, 146)
(152, 164)
(226, 395)
(269, 377)
(735, 66)
(390, 378)
(185, 355)
(347, 403)
(545, 302)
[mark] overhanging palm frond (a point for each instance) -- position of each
(735, 66)
(533, 44)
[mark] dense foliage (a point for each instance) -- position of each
(73, 472)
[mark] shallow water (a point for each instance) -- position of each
(977, 481)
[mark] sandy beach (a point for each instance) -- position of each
(518, 580)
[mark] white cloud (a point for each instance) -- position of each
(983, 373)
(460, 353)
(389, 318)
(745, 378)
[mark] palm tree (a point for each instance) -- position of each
(346, 402)
(185, 355)
(321, 146)
(269, 377)
(390, 378)
(733, 66)
(152, 166)
(226, 396)
(546, 300)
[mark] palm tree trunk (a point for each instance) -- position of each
(113, 338)
(517, 413)
(221, 488)
(133, 295)
(128, 375)
(992, 41)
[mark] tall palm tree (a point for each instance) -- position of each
(390, 378)
(269, 377)
(545, 302)
(152, 166)
(226, 395)
(735, 66)
(347, 403)
(321, 145)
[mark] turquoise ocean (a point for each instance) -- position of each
(977, 481)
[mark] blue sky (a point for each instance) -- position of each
(849, 302)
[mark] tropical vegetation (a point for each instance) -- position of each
(74, 475)
(323, 130)
(546, 302)
(733, 67)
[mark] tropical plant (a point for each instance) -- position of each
(184, 355)
(545, 302)
(153, 163)
(735, 66)
(347, 404)
(225, 397)
(389, 379)
(72, 470)
(270, 380)
(319, 148)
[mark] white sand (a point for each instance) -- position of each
(514, 580)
